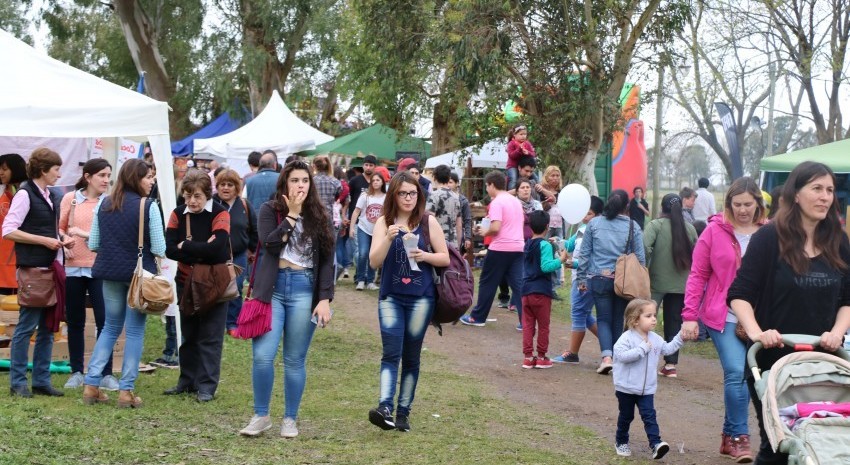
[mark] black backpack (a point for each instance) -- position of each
(455, 284)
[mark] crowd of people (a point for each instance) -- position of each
(298, 228)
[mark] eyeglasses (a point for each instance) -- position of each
(200, 197)
(407, 195)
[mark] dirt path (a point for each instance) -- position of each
(690, 408)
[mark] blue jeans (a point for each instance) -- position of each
(498, 265)
(344, 251)
(28, 319)
(235, 305)
(118, 316)
(291, 312)
(404, 321)
(736, 398)
(610, 312)
(364, 271)
(646, 407)
(170, 351)
(581, 308)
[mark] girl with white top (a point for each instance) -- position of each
(370, 207)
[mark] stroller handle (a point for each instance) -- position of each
(799, 342)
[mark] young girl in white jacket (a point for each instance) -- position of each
(636, 356)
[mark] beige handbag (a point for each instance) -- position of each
(149, 293)
(631, 279)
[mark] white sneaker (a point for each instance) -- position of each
(288, 430)
(345, 273)
(109, 383)
(257, 425)
(75, 381)
(624, 450)
(360, 285)
(372, 287)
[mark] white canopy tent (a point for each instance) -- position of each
(275, 128)
(43, 97)
(490, 155)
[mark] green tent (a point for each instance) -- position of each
(836, 155)
(377, 140)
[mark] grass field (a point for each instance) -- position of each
(456, 419)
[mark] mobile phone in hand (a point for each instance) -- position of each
(315, 319)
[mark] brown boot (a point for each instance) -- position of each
(725, 446)
(128, 399)
(737, 448)
(93, 395)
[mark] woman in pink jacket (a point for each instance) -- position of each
(717, 257)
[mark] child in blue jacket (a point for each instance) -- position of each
(540, 265)
(636, 356)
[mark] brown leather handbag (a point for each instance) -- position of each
(36, 287)
(207, 285)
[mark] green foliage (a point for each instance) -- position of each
(87, 35)
(13, 19)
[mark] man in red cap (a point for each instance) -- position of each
(412, 165)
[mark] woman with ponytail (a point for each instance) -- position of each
(669, 242)
(605, 239)
(76, 214)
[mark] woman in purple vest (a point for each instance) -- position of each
(117, 218)
(406, 300)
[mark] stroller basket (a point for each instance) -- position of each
(801, 378)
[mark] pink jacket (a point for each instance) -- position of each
(515, 152)
(716, 259)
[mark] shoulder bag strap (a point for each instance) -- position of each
(630, 240)
(142, 225)
(188, 227)
(71, 214)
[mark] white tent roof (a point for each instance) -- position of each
(492, 154)
(43, 97)
(275, 128)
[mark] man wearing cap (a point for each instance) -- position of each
(412, 165)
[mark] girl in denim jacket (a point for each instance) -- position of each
(605, 239)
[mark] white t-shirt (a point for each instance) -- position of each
(705, 205)
(371, 208)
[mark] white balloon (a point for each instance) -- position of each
(573, 203)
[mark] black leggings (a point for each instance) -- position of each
(75, 314)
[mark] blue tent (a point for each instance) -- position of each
(221, 125)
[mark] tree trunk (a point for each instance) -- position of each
(443, 134)
(141, 40)
(263, 68)
(587, 169)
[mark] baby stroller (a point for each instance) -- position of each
(791, 392)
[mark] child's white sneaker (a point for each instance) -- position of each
(624, 450)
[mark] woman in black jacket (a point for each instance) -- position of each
(795, 277)
(295, 274)
(203, 334)
(243, 233)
